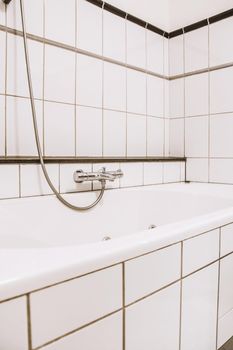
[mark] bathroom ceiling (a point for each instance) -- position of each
(172, 14)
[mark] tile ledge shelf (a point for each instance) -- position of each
(67, 160)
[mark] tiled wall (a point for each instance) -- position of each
(26, 180)
(88, 105)
(201, 105)
(127, 305)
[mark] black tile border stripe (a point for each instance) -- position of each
(176, 32)
(136, 20)
(196, 25)
(115, 10)
(118, 12)
(221, 16)
(72, 160)
(98, 3)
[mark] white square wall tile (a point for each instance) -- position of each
(102, 333)
(136, 135)
(226, 286)
(59, 129)
(9, 181)
(2, 62)
(13, 320)
(183, 171)
(114, 87)
(172, 172)
(166, 56)
(133, 174)
(2, 13)
(89, 27)
(225, 328)
(33, 182)
(196, 49)
(199, 309)
(166, 137)
(155, 136)
(176, 53)
(221, 141)
(59, 74)
(197, 169)
(89, 81)
(136, 92)
(20, 130)
(176, 100)
(60, 21)
(149, 322)
(17, 83)
(2, 125)
(164, 265)
(226, 239)
(196, 95)
(136, 45)
(155, 96)
(167, 91)
(114, 134)
(200, 251)
(221, 170)
(67, 183)
(114, 27)
(155, 52)
(153, 173)
(221, 50)
(34, 13)
(221, 90)
(109, 167)
(57, 310)
(196, 137)
(89, 127)
(176, 137)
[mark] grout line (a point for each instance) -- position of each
(43, 91)
(209, 119)
(6, 82)
(76, 70)
(117, 264)
(152, 293)
(126, 87)
(80, 51)
(29, 323)
(218, 293)
(77, 329)
(184, 96)
(181, 296)
(123, 311)
(20, 180)
(103, 81)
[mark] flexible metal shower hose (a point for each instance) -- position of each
(38, 145)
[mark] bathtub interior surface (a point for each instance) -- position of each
(44, 222)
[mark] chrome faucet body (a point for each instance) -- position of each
(102, 175)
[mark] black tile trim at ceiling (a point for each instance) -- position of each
(72, 160)
(118, 12)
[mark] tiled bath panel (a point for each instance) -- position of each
(122, 307)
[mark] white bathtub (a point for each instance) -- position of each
(43, 228)
(43, 244)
